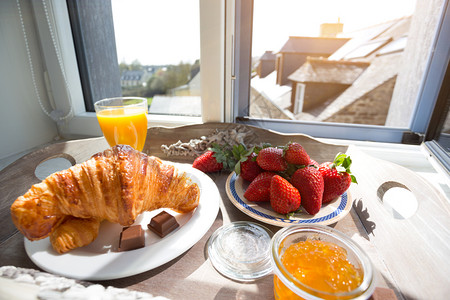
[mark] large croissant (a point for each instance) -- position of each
(115, 185)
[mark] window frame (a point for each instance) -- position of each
(299, 97)
(432, 80)
(70, 96)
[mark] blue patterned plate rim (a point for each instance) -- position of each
(257, 212)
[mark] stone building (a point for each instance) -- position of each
(355, 84)
(294, 52)
(319, 79)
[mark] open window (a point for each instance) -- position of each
(387, 95)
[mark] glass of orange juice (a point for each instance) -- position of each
(123, 120)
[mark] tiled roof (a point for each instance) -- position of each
(279, 95)
(268, 55)
(392, 30)
(380, 70)
(312, 45)
(132, 75)
(328, 71)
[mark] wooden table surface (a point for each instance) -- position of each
(411, 254)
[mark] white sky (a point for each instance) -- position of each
(157, 31)
(167, 31)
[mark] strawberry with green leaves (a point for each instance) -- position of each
(337, 177)
(259, 188)
(216, 158)
(246, 165)
(310, 184)
(249, 168)
(271, 159)
(295, 154)
(284, 197)
(207, 163)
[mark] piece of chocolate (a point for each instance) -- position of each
(163, 223)
(131, 238)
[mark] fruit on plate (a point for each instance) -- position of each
(284, 197)
(271, 159)
(207, 163)
(295, 154)
(316, 184)
(249, 168)
(310, 184)
(312, 162)
(337, 177)
(246, 165)
(259, 188)
(215, 159)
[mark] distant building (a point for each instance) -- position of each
(266, 64)
(319, 79)
(367, 100)
(355, 84)
(134, 78)
(295, 51)
(269, 100)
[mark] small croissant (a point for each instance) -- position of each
(115, 185)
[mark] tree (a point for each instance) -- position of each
(135, 65)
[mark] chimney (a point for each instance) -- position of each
(331, 29)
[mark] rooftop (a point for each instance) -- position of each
(302, 44)
(329, 71)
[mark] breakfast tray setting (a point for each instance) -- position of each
(408, 248)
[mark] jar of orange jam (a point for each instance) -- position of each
(319, 262)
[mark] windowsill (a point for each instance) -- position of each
(87, 122)
(416, 158)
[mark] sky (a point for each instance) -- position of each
(157, 31)
(167, 31)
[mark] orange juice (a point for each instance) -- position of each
(124, 126)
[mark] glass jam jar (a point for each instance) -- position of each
(316, 255)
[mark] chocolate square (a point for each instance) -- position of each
(163, 223)
(131, 238)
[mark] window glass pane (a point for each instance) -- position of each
(158, 48)
(347, 61)
(444, 137)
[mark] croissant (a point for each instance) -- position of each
(115, 185)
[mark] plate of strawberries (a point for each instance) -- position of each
(283, 186)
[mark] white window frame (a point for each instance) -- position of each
(70, 96)
(299, 97)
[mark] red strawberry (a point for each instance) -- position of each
(259, 188)
(249, 169)
(207, 163)
(336, 176)
(271, 159)
(296, 154)
(284, 197)
(312, 162)
(309, 182)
